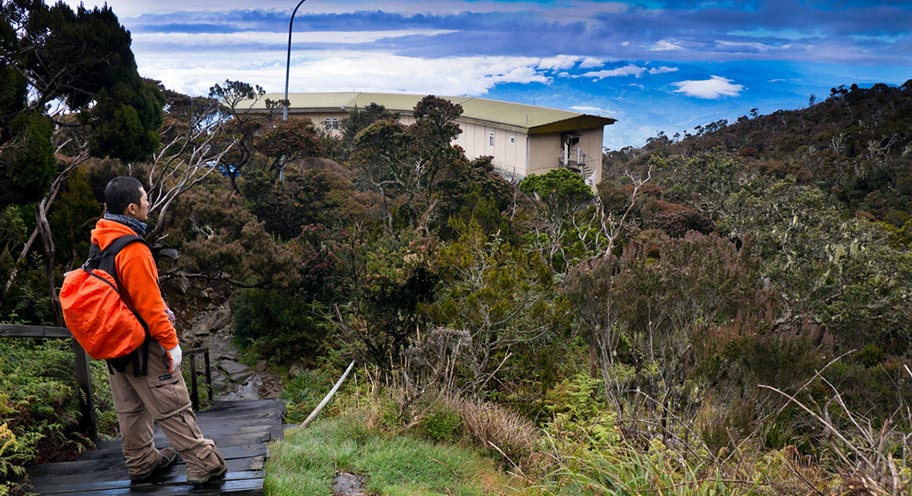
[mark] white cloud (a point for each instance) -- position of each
(569, 62)
(627, 70)
(662, 70)
(746, 46)
(346, 71)
(588, 109)
(559, 62)
(710, 89)
(591, 62)
(665, 46)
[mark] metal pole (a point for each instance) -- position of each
(288, 61)
(194, 392)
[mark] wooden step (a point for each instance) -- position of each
(241, 429)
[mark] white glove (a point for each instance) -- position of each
(175, 355)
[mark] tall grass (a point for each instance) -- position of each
(441, 443)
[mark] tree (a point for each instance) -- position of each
(385, 280)
(359, 118)
(241, 125)
(221, 242)
(473, 192)
(405, 164)
(285, 143)
(380, 159)
(562, 192)
(27, 162)
(505, 301)
(560, 189)
(433, 133)
(126, 119)
(845, 271)
(680, 321)
(83, 61)
(316, 193)
(194, 146)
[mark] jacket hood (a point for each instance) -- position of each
(106, 231)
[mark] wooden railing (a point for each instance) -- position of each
(194, 389)
(84, 372)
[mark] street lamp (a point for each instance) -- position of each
(288, 62)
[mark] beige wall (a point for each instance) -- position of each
(544, 152)
(535, 154)
(509, 158)
(318, 119)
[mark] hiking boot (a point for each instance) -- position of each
(168, 457)
(199, 480)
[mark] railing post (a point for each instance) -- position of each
(208, 374)
(87, 397)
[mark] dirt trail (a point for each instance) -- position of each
(231, 379)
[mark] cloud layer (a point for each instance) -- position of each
(666, 67)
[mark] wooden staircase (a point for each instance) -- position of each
(241, 429)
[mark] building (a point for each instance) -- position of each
(523, 139)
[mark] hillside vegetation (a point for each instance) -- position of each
(854, 146)
(728, 315)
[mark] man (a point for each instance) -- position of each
(161, 394)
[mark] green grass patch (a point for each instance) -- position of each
(306, 461)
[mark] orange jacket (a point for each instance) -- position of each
(138, 276)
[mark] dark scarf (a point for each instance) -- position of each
(132, 223)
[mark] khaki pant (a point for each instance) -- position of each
(162, 397)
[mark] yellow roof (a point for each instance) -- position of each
(511, 114)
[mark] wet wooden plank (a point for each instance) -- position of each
(74, 485)
(100, 465)
(233, 483)
(241, 429)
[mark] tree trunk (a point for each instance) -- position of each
(47, 242)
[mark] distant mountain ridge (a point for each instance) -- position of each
(856, 144)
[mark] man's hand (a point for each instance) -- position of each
(174, 355)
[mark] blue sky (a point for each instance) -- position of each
(653, 65)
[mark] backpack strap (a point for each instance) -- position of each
(105, 259)
(113, 249)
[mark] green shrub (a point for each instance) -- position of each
(39, 404)
(303, 391)
(278, 326)
(442, 423)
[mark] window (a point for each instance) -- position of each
(330, 123)
(491, 139)
(512, 140)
